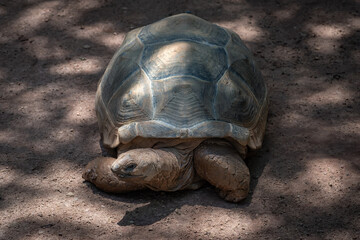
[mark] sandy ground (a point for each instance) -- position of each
(305, 179)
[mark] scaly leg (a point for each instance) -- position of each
(221, 165)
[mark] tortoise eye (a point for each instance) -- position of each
(130, 168)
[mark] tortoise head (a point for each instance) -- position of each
(157, 169)
(137, 165)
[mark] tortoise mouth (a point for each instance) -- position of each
(127, 175)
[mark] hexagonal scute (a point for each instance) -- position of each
(124, 63)
(235, 102)
(182, 101)
(188, 27)
(133, 101)
(246, 71)
(236, 48)
(184, 59)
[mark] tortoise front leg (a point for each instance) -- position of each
(221, 165)
(98, 172)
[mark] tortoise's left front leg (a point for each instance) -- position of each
(221, 165)
(98, 172)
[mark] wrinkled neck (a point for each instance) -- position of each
(175, 169)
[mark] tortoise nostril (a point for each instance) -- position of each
(130, 168)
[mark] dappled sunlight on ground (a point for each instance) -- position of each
(327, 37)
(332, 95)
(287, 13)
(47, 48)
(246, 27)
(78, 66)
(323, 183)
(103, 33)
(7, 136)
(32, 18)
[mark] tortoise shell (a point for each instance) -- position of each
(182, 77)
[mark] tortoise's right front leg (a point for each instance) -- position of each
(221, 165)
(98, 172)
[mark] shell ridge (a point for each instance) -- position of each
(141, 55)
(249, 90)
(152, 92)
(229, 37)
(184, 109)
(215, 86)
(147, 76)
(243, 82)
(184, 58)
(162, 108)
(105, 110)
(184, 40)
(181, 75)
(261, 110)
(160, 129)
(140, 112)
(116, 92)
(244, 105)
(192, 27)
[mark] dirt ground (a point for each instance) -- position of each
(305, 179)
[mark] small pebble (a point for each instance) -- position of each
(86, 46)
(70, 194)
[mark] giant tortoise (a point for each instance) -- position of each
(181, 101)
